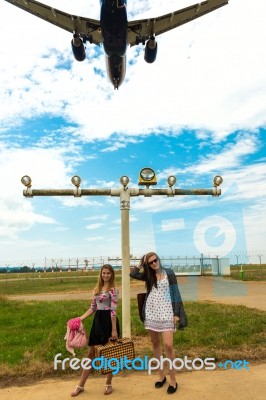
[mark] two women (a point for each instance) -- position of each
(162, 311)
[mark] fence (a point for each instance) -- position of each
(181, 265)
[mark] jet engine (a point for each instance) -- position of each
(78, 48)
(150, 51)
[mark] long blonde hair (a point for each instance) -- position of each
(100, 282)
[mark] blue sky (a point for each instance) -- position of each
(198, 111)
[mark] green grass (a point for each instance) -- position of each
(55, 275)
(32, 333)
(31, 283)
(251, 272)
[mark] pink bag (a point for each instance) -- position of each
(76, 336)
(79, 340)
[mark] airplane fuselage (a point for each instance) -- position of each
(113, 21)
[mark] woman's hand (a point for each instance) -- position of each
(114, 334)
(142, 262)
(176, 319)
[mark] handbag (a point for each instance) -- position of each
(79, 340)
(141, 300)
(76, 336)
(113, 349)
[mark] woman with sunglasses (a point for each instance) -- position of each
(162, 311)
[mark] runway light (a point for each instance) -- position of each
(26, 181)
(147, 177)
(76, 180)
(124, 180)
(171, 180)
(218, 180)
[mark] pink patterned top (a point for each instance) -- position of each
(106, 301)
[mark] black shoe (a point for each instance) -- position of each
(159, 384)
(172, 389)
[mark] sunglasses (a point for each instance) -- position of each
(153, 261)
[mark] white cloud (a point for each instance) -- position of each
(15, 217)
(78, 202)
(220, 160)
(105, 184)
(211, 73)
(248, 182)
(26, 251)
(172, 224)
(229, 157)
(47, 168)
(245, 183)
(97, 217)
(158, 204)
(95, 238)
(115, 147)
(94, 226)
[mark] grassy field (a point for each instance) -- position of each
(49, 282)
(249, 272)
(33, 333)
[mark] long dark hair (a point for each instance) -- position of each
(149, 273)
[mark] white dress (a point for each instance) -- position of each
(159, 311)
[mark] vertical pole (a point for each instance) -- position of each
(125, 249)
(259, 255)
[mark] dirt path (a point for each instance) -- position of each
(197, 385)
(217, 289)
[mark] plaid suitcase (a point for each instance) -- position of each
(114, 349)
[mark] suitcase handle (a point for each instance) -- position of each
(116, 341)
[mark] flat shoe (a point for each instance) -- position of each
(108, 389)
(78, 390)
(160, 384)
(172, 389)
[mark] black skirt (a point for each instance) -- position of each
(101, 329)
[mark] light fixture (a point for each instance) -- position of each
(147, 177)
(217, 181)
(124, 180)
(26, 181)
(76, 180)
(171, 180)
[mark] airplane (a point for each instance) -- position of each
(114, 31)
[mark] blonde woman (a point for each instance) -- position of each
(105, 324)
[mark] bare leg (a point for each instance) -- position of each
(84, 375)
(108, 385)
(157, 351)
(169, 352)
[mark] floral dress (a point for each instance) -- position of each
(104, 305)
(159, 311)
